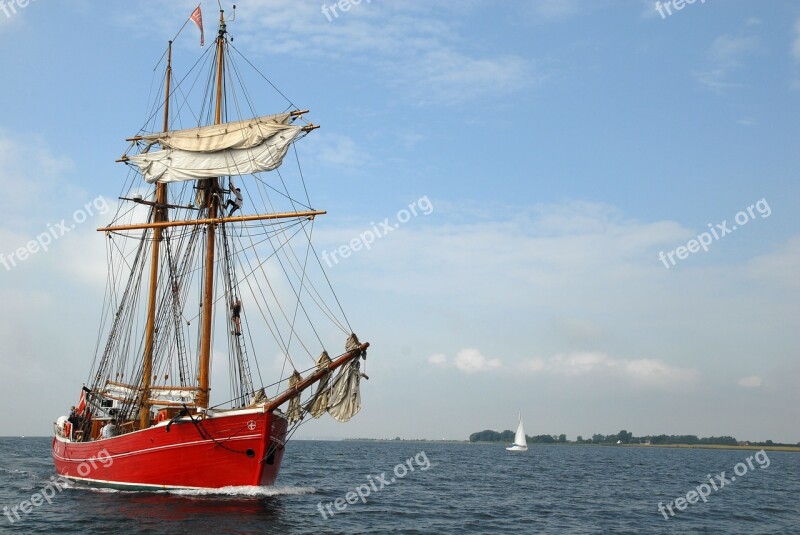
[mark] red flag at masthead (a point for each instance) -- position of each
(197, 18)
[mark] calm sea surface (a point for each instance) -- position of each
(465, 489)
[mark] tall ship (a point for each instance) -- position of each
(213, 281)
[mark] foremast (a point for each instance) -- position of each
(159, 215)
(212, 205)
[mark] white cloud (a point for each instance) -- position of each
(577, 331)
(409, 140)
(641, 372)
(569, 365)
(557, 252)
(33, 164)
(715, 79)
(447, 76)
(471, 360)
(468, 360)
(438, 359)
(726, 55)
(753, 381)
(549, 10)
(411, 46)
(648, 9)
(653, 372)
(779, 267)
(56, 233)
(796, 42)
(335, 150)
(731, 49)
(580, 275)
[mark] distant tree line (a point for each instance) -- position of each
(623, 437)
(508, 436)
(626, 437)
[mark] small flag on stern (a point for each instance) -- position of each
(197, 17)
(82, 403)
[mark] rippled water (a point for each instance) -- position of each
(466, 489)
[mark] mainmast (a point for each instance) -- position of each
(211, 189)
(159, 215)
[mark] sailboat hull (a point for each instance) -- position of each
(236, 448)
(517, 448)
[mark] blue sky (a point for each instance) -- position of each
(562, 145)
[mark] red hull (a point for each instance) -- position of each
(234, 449)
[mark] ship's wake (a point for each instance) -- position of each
(243, 491)
(250, 491)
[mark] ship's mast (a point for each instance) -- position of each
(211, 189)
(159, 215)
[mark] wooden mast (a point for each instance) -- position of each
(159, 216)
(211, 190)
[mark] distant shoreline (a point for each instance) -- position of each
(681, 446)
(795, 449)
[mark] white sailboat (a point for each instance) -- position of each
(520, 444)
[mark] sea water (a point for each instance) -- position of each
(430, 488)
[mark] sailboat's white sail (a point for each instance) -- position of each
(237, 135)
(519, 438)
(178, 165)
(520, 444)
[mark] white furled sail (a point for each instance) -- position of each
(237, 135)
(178, 165)
(520, 444)
(294, 412)
(319, 405)
(345, 396)
(175, 394)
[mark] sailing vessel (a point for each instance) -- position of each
(185, 275)
(520, 444)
